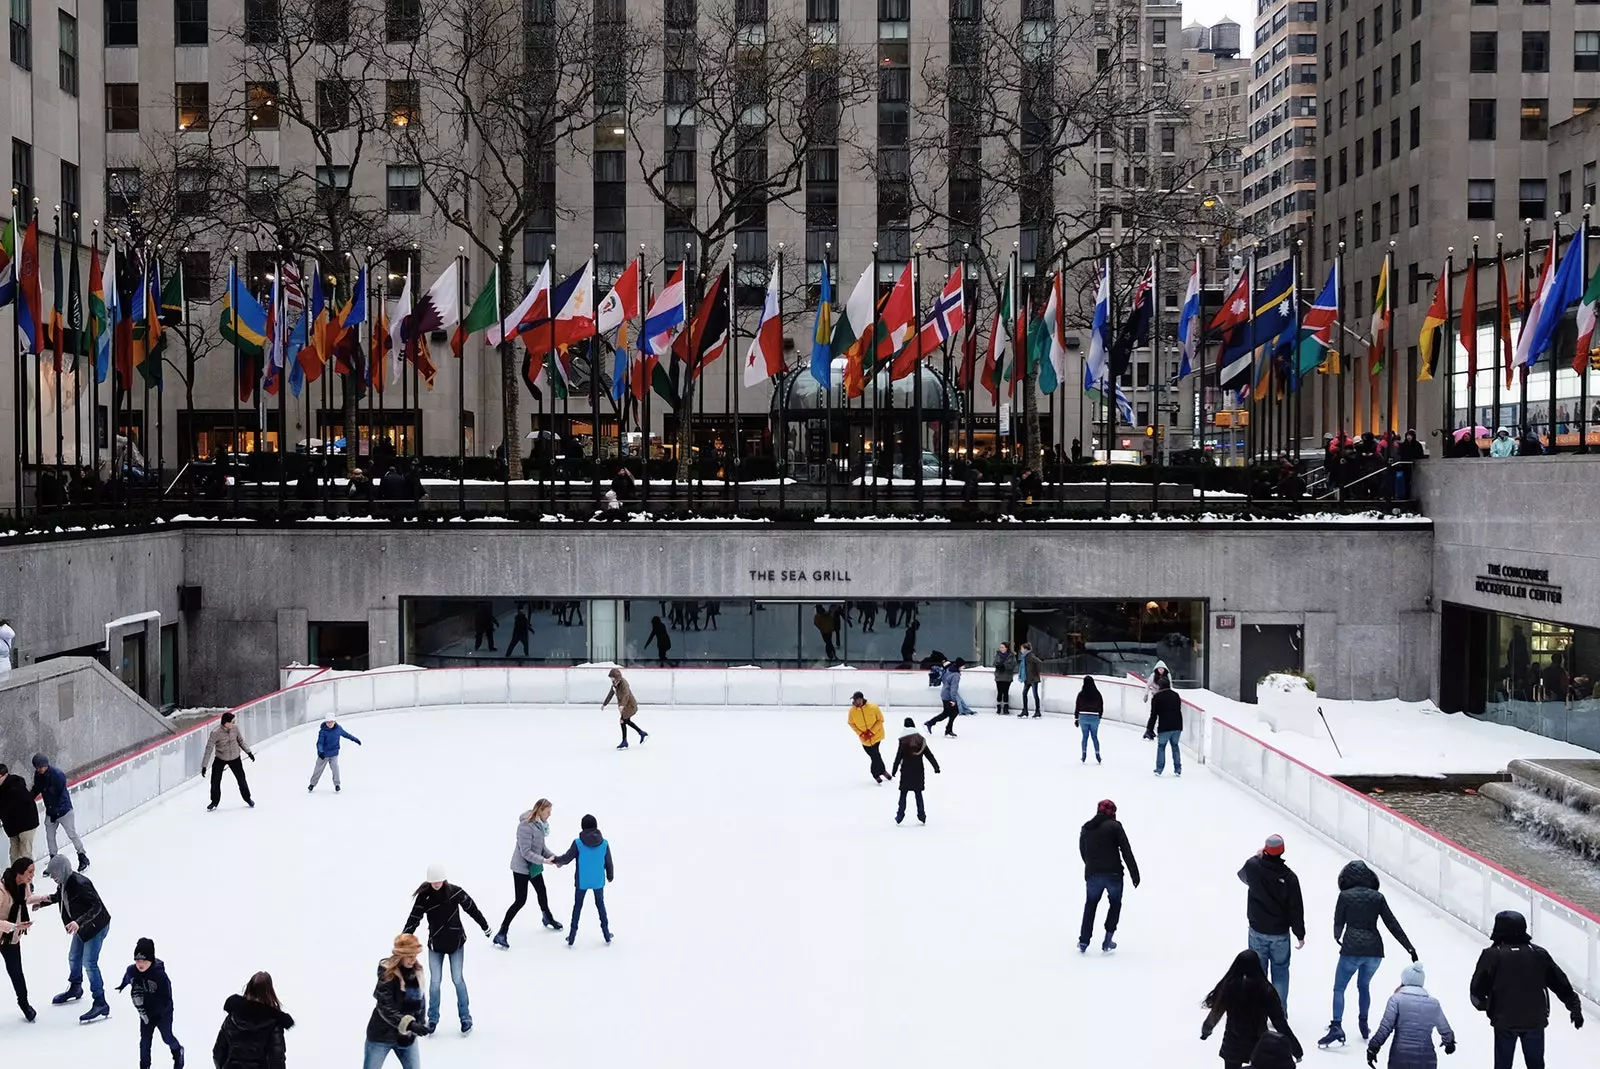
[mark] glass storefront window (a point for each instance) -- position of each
(1536, 675)
(449, 632)
(1116, 637)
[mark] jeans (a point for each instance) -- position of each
(1031, 686)
(519, 892)
(237, 765)
(900, 814)
(322, 763)
(1273, 950)
(69, 824)
(84, 957)
(1505, 1048)
(12, 953)
(875, 760)
(1095, 885)
(436, 961)
(1362, 968)
(600, 907)
(1163, 740)
(378, 1053)
(1089, 728)
(147, 1031)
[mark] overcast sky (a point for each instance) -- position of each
(1207, 12)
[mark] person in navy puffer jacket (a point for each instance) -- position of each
(328, 736)
(50, 783)
(593, 855)
(1411, 1017)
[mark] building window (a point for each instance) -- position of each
(1416, 127)
(1480, 198)
(71, 191)
(1414, 205)
(194, 21)
(261, 190)
(1484, 52)
(1344, 106)
(404, 22)
(1169, 139)
(22, 33)
(405, 190)
(1377, 86)
(1377, 149)
(122, 106)
(196, 276)
(261, 23)
(1535, 119)
(1394, 138)
(333, 105)
(1361, 227)
(1564, 192)
(1158, 32)
(67, 56)
(1535, 51)
(193, 193)
(330, 20)
(1344, 167)
(1588, 183)
(1394, 213)
(1361, 97)
(1413, 281)
(1584, 105)
(1586, 51)
(122, 23)
(1377, 220)
(261, 105)
(1416, 62)
(333, 184)
(122, 192)
(194, 105)
(1377, 25)
(1481, 118)
(403, 101)
(1530, 198)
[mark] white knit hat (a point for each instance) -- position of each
(436, 873)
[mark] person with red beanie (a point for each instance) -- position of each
(1104, 848)
(1274, 908)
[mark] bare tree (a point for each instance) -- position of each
(723, 123)
(1038, 130)
(509, 87)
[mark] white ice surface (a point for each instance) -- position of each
(767, 910)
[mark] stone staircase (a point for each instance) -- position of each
(1559, 799)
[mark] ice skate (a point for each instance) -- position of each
(1109, 945)
(551, 923)
(1335, 1035)
(501, 941)
(71, 994)
(97, 1011)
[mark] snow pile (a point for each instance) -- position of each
(1284, 683)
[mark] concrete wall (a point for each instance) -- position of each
(76, 712)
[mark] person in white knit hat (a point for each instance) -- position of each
(442, 902)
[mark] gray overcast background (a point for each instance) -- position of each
(1207, 12)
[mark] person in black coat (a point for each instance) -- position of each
(87, 921)
(395, 1023)
(1274, 908)
(442, 902)
(152, 999)
(1103, 845)
(1249, 1003)
(1356, 914)
(908, 764)
(1086, 713)
(252, 1035)
(19, 817)
(1510, 984)
(1166, 724)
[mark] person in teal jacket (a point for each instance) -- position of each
(593, 855)
(328, 736)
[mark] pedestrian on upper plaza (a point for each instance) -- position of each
(251, 1036)
(328, 739)
(396, 1019)
(1103, 845)
(626, 706)
(1249, 1003)
(1086, 713)
(1410, 449)
(87, 921)
(1411, 1017)
(663, 641)
(1166, 725)
(1274, 909)
(866, 720)
(226, 744)
(1005, 668)
(908, 764)
(50, 784)
(1530, 446)
(1509, 985)
(1356, 914)
(8, 640)
(1029, 672)
(521, 629)
(152, 1000)
(593, 855)
(527, 866)
(19, 817)
(442, 902)
(15, 920)
(1077, 451)
(949, 692)
(1503, 445)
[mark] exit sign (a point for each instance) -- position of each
(1225, 622)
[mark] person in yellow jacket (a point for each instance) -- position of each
(866, 720)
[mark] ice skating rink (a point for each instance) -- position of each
(767, 910)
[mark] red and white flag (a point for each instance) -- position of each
(765, 358)
(622, 303)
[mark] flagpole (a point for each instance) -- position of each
(414, 418)
(508, 435)
(968, 350)
(1155, 376)
(57, 343)
(644, 379)
(1447, 407)
(461, 385)
(1500, 326)
(870, 353)
(77, 334)
(827, 403)
(730, 396)
(1472, 361)
(38, 384)
(16, 349)
(114, 300)
(305, 388)
(783, 397)
(1197, 412)
(916, 386)
(1107, 397)
(1339, 337)
(1393, 400)
(94, 378)
(594, 392)
(161, 393)
(1583, 374)
(1522, 370)
(1555, 262)
(280, 349)
(944, 407)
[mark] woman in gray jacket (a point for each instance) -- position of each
(1411, 1016)
(527, 866)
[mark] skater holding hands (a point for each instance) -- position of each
(626, 706)
(593, 855)
(527, 866)
(87, 921)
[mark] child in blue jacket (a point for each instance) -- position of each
(328, 736)
(593, 855)
(152, 998)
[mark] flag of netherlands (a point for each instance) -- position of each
(1189, 324)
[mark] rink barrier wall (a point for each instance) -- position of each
(1463, 884)
(119, 788)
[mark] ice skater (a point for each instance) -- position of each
(1249, 1003)
(1086, 713)
(1411, 1016)
(1029, 674)
(659, 636)
(442, 902)
(866, 720)
(226, 744)
(1166, 726)
(152, 1000)
(527, 866)
(87, 921)
(626, 705)
(396, 1020)
(328, 737)
(593, 854)
(521, 628)
(19, 817)
(15, 920)
(252, 1033)
(1158, 676)
(50, 784)
(1005, 667)
(1509, 985)
(1274, 909)
(949, 695)
(908, 763)
(1103, 845)
(1356, 913)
